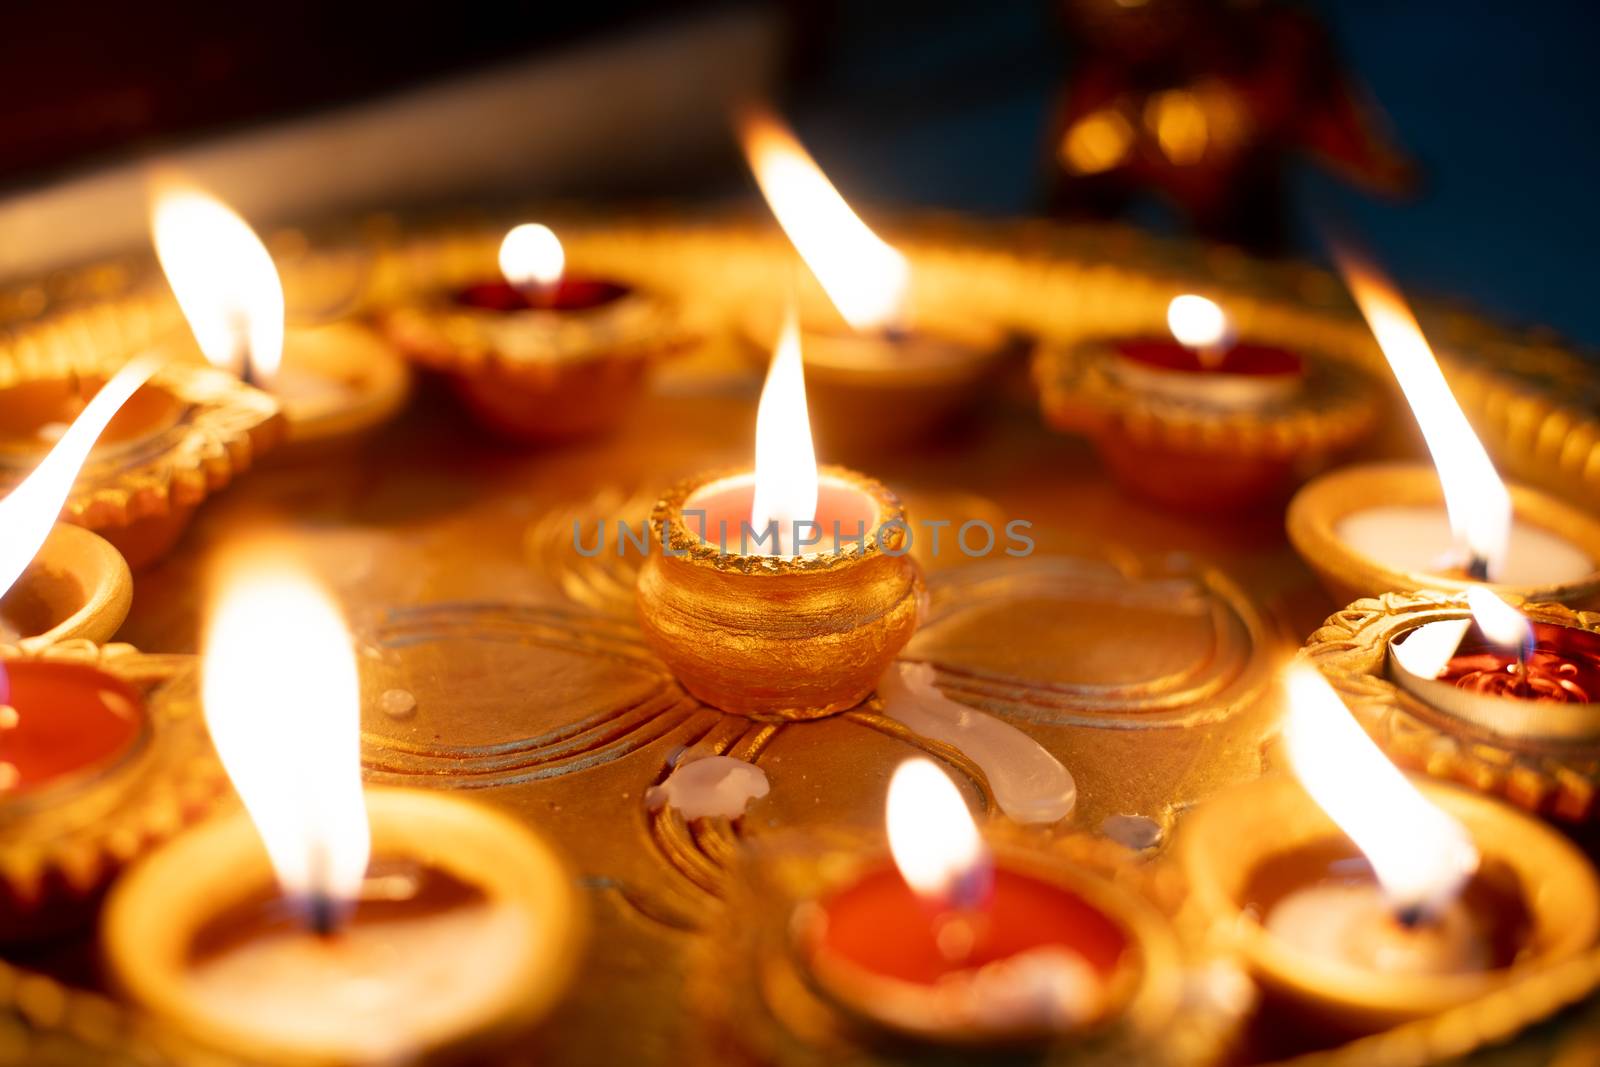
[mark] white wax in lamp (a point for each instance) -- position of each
(1417, 539)
(372, 992)
(1356, 925)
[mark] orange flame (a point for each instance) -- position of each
(282, 703)
(864, 277)
(29, 511)
(1421, 855)
(1474, 496)
(224, 280)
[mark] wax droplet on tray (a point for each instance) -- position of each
(398, 703)
(1030, 785)
(713, 786)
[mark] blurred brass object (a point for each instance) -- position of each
(372, 383)
(1554, 775)
(60, 846)
(1224, 842)
(888, 386)
(758, 994)
(1316, 510)
(1187, 448)
(155, 914)
(78, 586)
(537, 375)
(181, 437)
(780, 638)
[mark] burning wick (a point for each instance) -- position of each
(864, 277)
(532, 259)
(940, 854)
(1201, 326)
(224, 280)
(1413, 920)
(1475, 499)
(786, 486)
(282, 703)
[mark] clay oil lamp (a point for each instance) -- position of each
(1199, 420)
(786, 591)
(1503, 672)
(334, 383)
(1362, 899)
(1373, 528)
(1499, 696)
(102, 754)
(157, 438)
(879, 368)
(542, 354)
(401, 926)
(953, 940)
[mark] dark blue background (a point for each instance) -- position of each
(1496, 100)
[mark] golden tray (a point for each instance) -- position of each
(1136, 644)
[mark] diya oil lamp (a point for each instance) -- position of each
(954, 940)
(1502, 671)
(542, 354)
(879, 369)
(404, 924)
(1200, 420)
(102, 754)
(1377, 527)
(150, 439)
(1362, 899)
(1498, 696)
(333, 382)
(783, 592)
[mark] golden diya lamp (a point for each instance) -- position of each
(542, 354)
(334, 383)
(879, 368)
(149, 439)
(102, 754)
(1201, 420)
(328, 924)
(1361, 899)
(1502, 697)
(782, 592)
(953, 942)
(1372, 528)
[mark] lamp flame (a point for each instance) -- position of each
(1426, 652)
(786, 461)
(531, 256)
(1474, 496)
(29, 511)
(224, 280)
(1421, 855)
(282, 703)
(932, 837)
(1199, 325)
(863, 276)
(1499, 621)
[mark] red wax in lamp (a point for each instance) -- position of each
(566, 294)
(882, 926)
(1562, 667)
(59, 720)
(727, 505)
(1246, 360)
